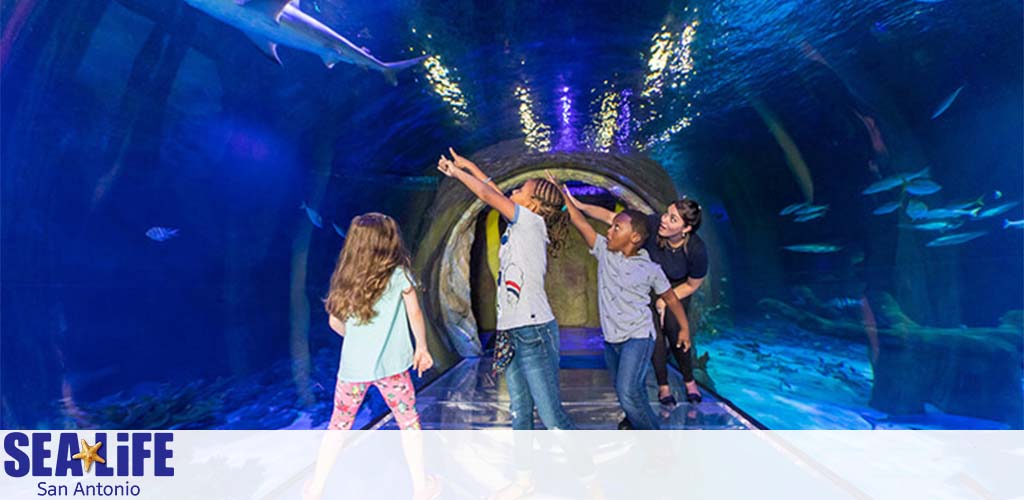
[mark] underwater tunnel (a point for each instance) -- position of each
(175, 199)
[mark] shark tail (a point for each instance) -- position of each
(391, 69)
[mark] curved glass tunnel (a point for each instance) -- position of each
(173, 203)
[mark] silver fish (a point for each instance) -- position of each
(997, 210)
(792, 208)
(809, 217)
(888, 208)
(814, 248)
(934, 226)
(950, 213)
(968, 204)
(944, 105)
(921, 187)
(313, 216)
(894, 181)
(157, 233)
(955, 239)
(340, 231)
(811, 209)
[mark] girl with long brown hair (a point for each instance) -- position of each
(370, 297)
(372, 294)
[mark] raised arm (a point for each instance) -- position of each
(593, 211)
(486, 192)
(421, 359)
(467, 165)
(578, 220)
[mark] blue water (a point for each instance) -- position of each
(121, 116)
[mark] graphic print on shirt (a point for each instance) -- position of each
(510, 286)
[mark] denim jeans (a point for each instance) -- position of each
(533, 378)
(628, 361)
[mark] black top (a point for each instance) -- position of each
(679, 265)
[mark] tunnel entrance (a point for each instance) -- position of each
(452, 259)
(571, 282)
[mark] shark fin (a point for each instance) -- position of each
(268, 47)
(331, 58)
(272, 8)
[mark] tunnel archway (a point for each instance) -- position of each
(444, 255)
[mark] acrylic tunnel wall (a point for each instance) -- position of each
(174, 201)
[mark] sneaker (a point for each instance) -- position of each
(624, 425)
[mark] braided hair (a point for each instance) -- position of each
(550, 201)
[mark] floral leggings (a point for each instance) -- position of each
(398, 393)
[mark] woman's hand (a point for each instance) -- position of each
(683, 338)
(422, 361)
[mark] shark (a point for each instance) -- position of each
(270, 23)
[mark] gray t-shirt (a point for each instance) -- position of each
(523, 259)
(624, 285)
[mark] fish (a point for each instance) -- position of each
(158, 233)
(922, 187)
(888, 208)
(340, 231)
(814, 248)
(1007, 223)
(997, 210)
(955, 239)
(313, 216)
(269, 23)
(894, 181)
(916, 209)
(968, 204)
(811, 209)
(950, 213)
(809, 217)
(996, 194)
(933, 419)
(792, 208)
(857, 257)
(934, 226)
(944, 105)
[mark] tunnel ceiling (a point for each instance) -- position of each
(606, 76)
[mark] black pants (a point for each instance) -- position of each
(666, 342)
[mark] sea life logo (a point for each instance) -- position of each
(52, 454)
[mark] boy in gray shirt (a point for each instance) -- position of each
(625, 278)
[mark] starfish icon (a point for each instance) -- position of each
(88, 453)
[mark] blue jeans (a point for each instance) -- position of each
(533, 378)
(628, 361)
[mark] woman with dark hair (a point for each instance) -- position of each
(675, 245)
